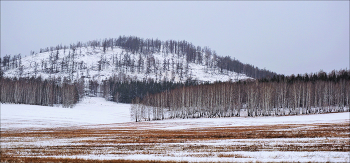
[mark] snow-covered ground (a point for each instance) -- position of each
(266, 156)
(90, 111)
(93, 111)
(96, 113)
(248, 121)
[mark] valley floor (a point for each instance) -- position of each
(100, 130)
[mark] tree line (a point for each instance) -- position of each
(35, 91)
(279, 95)
(124, 91)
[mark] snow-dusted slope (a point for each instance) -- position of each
(93, 63)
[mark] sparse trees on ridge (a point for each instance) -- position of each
(145, 47)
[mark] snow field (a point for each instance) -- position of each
(90, 111)
(274, 156)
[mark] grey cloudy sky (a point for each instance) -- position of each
(284, 37)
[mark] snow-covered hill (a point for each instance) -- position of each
(93, 63)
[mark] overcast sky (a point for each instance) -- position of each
(284, 37)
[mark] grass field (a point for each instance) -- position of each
(319, 142)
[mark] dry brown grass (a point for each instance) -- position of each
(178, 136)
(233, 155)
(123, 141)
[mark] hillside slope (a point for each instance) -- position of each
(95, 64)
(130, 57)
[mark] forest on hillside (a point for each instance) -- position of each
(280, 95)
